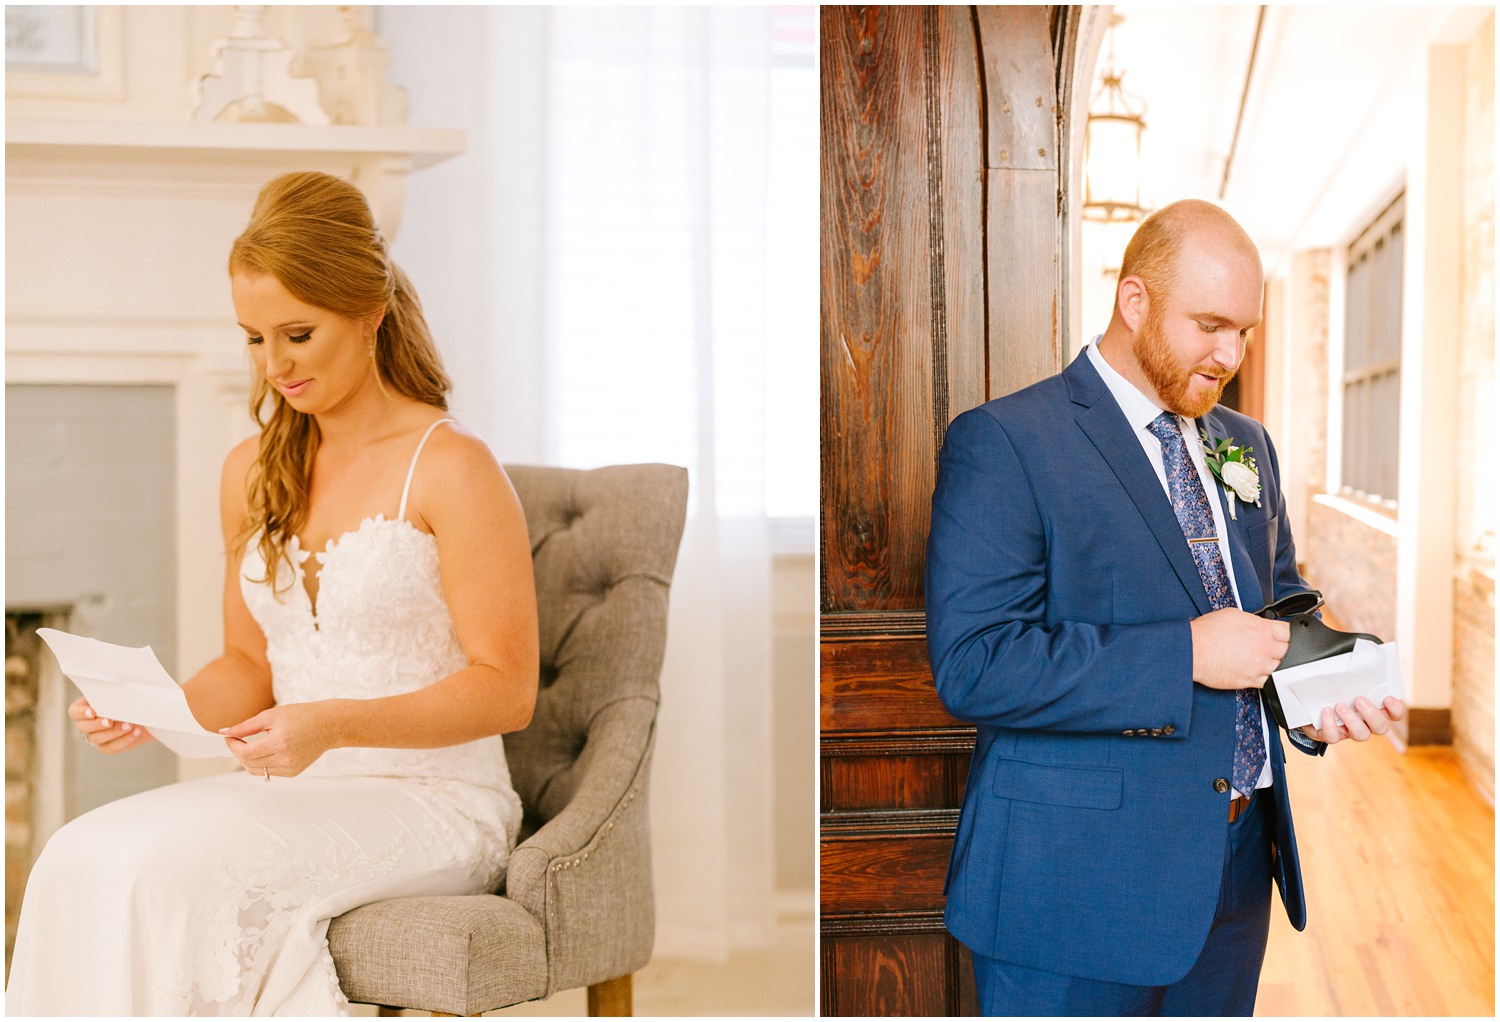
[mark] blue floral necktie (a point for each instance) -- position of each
(1190, 504)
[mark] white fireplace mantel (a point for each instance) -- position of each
(377, 158)
(267, 143)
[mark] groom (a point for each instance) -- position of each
(1088, 583)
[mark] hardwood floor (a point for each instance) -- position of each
(1398, 858)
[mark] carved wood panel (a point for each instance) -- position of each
(940, 264)
(902, 301)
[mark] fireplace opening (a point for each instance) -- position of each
(90, 547)
(33, 759)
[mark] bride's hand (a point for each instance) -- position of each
(106, 735)
(284, 740)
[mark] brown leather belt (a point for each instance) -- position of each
(1238, 805)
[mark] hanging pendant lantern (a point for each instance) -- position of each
(1112, 147)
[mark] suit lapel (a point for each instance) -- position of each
(1247, 580)
(1106, 427)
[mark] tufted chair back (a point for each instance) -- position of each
(577, 908)
(603, 546)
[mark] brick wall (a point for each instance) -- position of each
(1354, 565)
(1474, 585)
(1474, 678)
(21, 684)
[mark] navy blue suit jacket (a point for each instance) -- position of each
(1059, 595)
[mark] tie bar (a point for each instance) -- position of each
(1203, 539)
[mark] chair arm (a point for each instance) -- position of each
(586, 875)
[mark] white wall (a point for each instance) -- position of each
(471, 239)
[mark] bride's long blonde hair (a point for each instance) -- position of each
(315, 234)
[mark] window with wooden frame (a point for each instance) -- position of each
(1372, 358)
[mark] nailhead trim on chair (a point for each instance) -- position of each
(553, 878)
(558, 867)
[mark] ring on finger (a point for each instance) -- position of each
(267, 772)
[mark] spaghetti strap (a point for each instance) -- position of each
(401, 514)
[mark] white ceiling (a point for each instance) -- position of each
(1327, 120)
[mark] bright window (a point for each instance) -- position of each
(1372, 358)
(682, 248)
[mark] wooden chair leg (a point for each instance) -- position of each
(382, 1011)
(611, 998)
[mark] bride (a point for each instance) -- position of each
(379, 635)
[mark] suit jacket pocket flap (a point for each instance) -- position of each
(1058, 785)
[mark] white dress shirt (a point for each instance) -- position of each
(1140, 410)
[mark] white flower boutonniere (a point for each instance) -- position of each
(1234, 468)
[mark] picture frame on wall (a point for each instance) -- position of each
(66, 52)
(59, 40)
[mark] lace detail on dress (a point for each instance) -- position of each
(238, 937)
(381, 627)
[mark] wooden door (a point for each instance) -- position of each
(941, 263)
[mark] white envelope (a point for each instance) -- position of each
(1372, 670)
(130, 684)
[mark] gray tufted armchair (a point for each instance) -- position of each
(577, 907)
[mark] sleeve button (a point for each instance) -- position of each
(1169, 730)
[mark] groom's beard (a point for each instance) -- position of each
(1175, 381)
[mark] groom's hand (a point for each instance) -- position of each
(1233, 649)
(1358, 721)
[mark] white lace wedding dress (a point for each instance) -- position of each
(213, 897)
